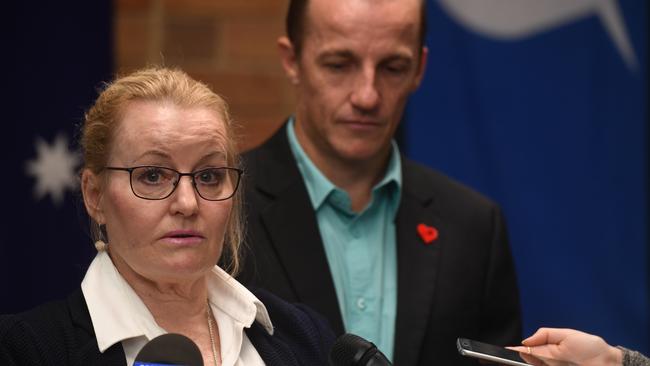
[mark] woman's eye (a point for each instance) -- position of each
(152, 176)
(210, 176)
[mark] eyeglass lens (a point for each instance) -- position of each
(157, 182)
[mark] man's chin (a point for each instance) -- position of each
(361, 154)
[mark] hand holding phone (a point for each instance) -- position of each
(489, 352)
(501, 355)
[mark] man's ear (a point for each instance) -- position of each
(289, 59)
(424, 54)
(92, 195)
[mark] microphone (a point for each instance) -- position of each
(168, 350)
(352, 350)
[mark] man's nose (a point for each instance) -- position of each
(365, 95)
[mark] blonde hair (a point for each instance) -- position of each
(159, 84)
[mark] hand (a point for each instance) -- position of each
(568, 345)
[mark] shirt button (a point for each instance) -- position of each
(361, 303)
(356, 233)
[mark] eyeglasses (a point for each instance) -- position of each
(157, 183)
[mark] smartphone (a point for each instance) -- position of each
(489, 352)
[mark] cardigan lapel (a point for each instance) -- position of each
(291, 223)
(87, 352)
(417, 265)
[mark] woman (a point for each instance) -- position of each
(572, 347)
(160, 186)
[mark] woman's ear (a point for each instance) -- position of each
(92, 195)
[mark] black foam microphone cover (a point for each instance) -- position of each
(170, 349)
(352, 350)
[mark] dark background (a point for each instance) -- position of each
(57, 54)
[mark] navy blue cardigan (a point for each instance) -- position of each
(61, 333)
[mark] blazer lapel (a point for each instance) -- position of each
(417, 264)
(291, 223)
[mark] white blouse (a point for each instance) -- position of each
(119, 315)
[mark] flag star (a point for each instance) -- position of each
(54, 169)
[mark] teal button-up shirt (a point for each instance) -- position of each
(360, 247)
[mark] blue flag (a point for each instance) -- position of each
(541, 105)
(59, 52)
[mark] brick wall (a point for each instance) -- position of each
(229, 44)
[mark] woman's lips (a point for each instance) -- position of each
(183, 237)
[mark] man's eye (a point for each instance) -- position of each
(336, 66)
(396, 69)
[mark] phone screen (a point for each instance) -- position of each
(489, 352)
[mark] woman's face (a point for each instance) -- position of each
(180, 237)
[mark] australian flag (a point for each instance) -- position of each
(58, 54)
(541, 105)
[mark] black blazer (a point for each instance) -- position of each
(61, 333)
(461, 285)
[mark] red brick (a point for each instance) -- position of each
(251, 43)
(228, 8)
(228, 44)
(132, 41)
(189, 40)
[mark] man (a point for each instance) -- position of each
(339, 220)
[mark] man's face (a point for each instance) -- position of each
(360, 61)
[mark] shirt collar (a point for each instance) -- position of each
(118, 313)
(319, 187)
(237, 301)
(393, 170)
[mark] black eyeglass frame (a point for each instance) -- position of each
(192, 175)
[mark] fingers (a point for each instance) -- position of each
(532, 360)
(537, 355)
(537, 360)
(520, 349)
(547, 336)
(530, 355)
(543, 352)
(538, 338)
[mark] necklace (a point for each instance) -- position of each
(214, 347)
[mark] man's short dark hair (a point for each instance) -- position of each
(297, 13)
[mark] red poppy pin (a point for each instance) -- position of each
(428, 233)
